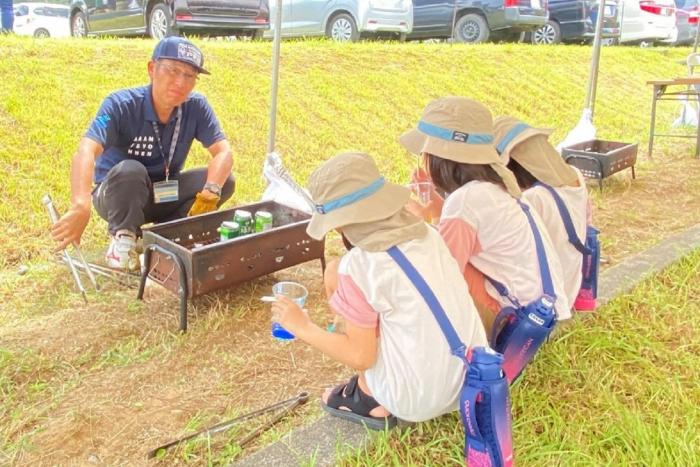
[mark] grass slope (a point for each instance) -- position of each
(332, 97)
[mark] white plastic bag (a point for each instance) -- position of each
(583, 131)
(281, 186)
(688, 116)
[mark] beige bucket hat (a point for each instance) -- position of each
(348, 189)
(461, 130)
(531, 148)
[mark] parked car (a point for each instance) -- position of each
(344, 20)
(687, 13)
(160, 18)
(575, 21)
(41, 20)
(475, 20)
(647, 20)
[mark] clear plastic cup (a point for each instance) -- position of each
(296, 293)
(422, 192)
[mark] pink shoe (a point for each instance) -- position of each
(585, 301)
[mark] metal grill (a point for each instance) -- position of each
(599, 159)
(186, 256)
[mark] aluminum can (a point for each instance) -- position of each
(245, 221)
(229, 230)
(263, 221)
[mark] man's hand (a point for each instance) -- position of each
(289, 315)
(70, 227)
(205, 201)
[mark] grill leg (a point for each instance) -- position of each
(144, 273)
(323, 263)
(182, 274)
(633, 177)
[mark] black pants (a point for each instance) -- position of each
(125, 197)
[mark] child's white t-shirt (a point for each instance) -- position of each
(483, 225)
(415, 377)
(576, 201)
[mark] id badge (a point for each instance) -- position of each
(165, 192)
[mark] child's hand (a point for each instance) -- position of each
(289, 314)
(419, 175)
(417, 209)
(434, 207)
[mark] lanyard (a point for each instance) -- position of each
(173, 142)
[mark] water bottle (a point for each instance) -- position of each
(587, 295)
(485, 410)
(524, 333)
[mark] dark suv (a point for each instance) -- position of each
(574, 21)
(160, 18)
(476, 20)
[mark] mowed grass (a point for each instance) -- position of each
(70, 373)
(618, 387)
(332, 97)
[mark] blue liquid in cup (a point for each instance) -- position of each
(296, 293)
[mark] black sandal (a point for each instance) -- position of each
(350, 395)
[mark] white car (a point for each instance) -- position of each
(647, 20)
(41, 20)
(343, 20)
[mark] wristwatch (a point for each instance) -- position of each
(213, 187)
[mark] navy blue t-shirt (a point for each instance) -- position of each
(124, 128)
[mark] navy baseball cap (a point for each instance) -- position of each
(180, 49)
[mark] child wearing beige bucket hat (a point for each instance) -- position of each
(481, 220)
(405, 368)
(539, 168)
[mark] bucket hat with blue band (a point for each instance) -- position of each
(460, 130)
(182, 50)
(530, 148)
(350, 192)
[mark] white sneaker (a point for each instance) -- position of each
(121, 250)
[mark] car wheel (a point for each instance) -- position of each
(342, 28)
(550, 33)
(159, 22)
(257, 35)
(78, 25)
(471, 28)
(41, 33)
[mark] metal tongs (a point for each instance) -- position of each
(287, 406)
(54, 216)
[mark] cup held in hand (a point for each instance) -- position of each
(296, 293)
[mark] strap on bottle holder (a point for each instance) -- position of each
(519, 331)
(485, 449)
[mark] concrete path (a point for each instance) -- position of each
(325, 440)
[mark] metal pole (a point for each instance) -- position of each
(275, 76)
(454, 20)
(595, 60)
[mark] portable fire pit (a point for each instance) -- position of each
(188, 258)
(599, 159)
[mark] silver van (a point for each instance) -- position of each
(344, 20)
